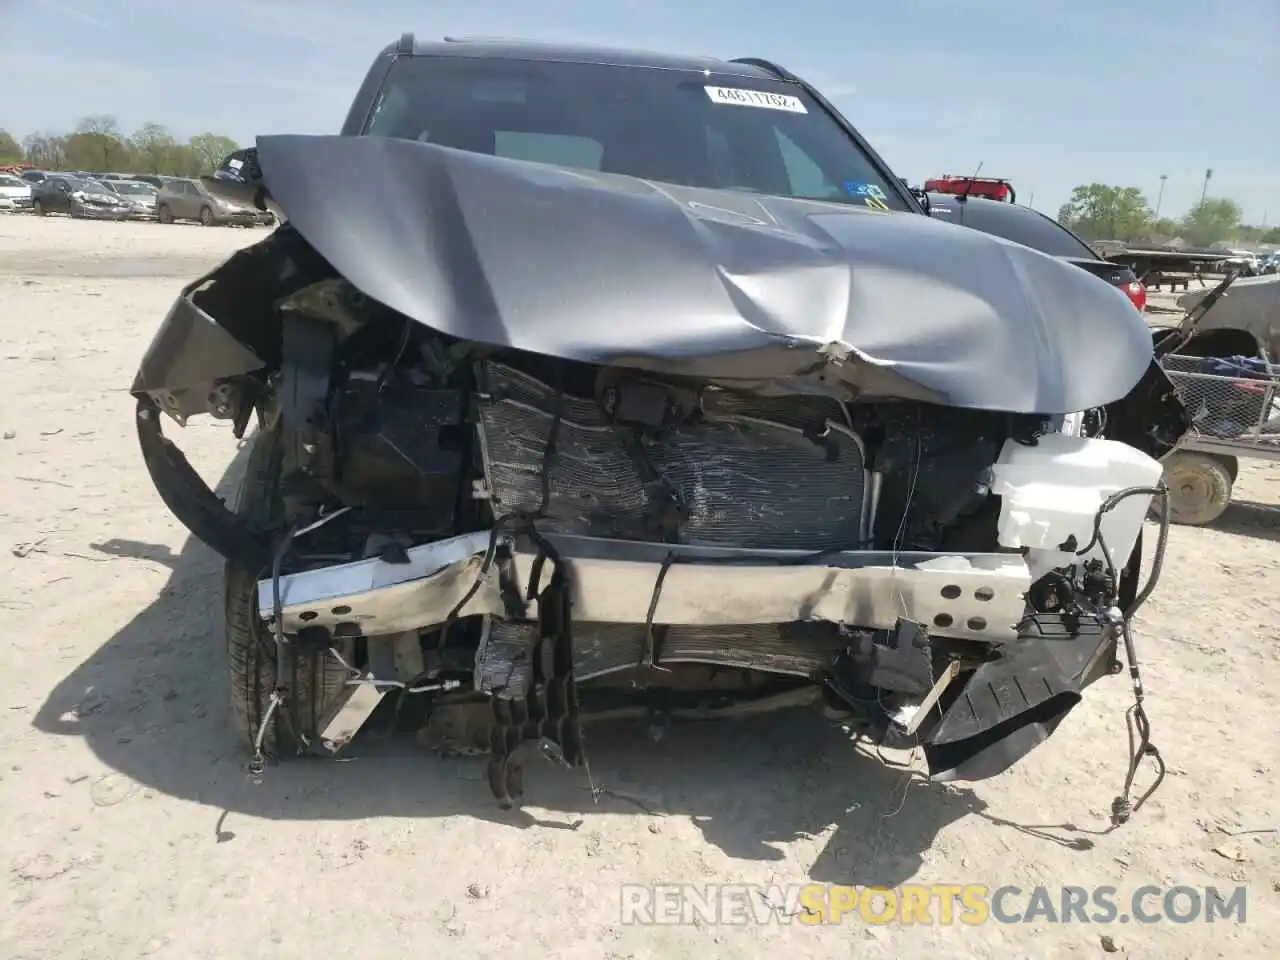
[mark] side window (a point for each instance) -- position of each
(807, 178)
(565, 150)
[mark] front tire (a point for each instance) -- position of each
(1199, 487)
(38, 208)
(206, 216)
(164, 214)
(316, 683)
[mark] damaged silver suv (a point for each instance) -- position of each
(592, 383)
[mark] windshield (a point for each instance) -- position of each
(672, 126)
(8, 181)
(134, 188)
(93, 186)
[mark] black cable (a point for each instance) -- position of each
(389, 369)
(1137, 723)
(649, 657)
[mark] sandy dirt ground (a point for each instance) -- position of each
(132, 829)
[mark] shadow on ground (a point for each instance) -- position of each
(152, 703)
(1247, 518)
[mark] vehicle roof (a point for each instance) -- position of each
(512, 49)
(999, 211)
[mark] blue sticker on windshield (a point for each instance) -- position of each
(858, 188)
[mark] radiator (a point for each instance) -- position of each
(761, 473)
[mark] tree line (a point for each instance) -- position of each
(1099, 211)
(1096, 211)
(97, 143)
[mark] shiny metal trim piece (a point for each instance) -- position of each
(968, 596)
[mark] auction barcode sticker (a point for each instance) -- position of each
(756, 98)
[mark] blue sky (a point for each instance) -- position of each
(1049, 93)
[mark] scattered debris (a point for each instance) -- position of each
(52, 483)
(1109, 945)
(1231, 852)
(650, 807)
(23, 550)
(111, 789)
(477, 891)
(44, 866)
(1247, 831)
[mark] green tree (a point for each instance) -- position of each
(1212, 220)
(1271, 236)
(183, 162)
(1098, 211)
(154, 147)
(10, 150)
(97, 144)
(210, 149)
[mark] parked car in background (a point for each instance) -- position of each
(53, 194)
(155, 179)
(1243, 262)
(140, 196)
(1269, 263)
(62, 193)
(1035, 230)
(189, 200)
(15, 193)
(33, 176)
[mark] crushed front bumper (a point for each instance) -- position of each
(242, 218)
(96, 212)
(964, 596)
(984, 720)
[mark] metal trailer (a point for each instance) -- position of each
(1224, 363)
(1156, 266)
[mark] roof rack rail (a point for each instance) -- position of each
(769, 65)
(488, 39)
(406, 44)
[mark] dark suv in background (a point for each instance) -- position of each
(1035, 230)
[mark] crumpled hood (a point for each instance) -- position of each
(606, 268)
